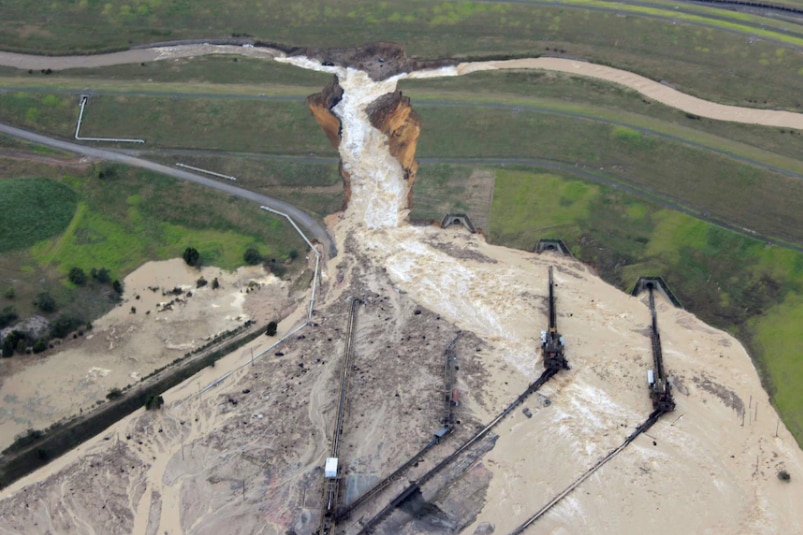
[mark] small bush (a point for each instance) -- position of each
(215, 284)
(39, 346)
(63, 326)
(114, 393)
(272, 328)
(200, 283)
(45, 303)
(783, 475)
(252, 256)
(8, 316)
(191, 256)
(77, 276)
(154, 402)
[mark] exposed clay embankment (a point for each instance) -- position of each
(393, 115)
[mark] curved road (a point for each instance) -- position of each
(309, 223)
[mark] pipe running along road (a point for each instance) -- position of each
(315, 228)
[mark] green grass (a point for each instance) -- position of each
(778, 335)
(528, 206)
(32, 210)
(729, 280)
(657, 41)
(203, 70)
(127, 218)
(763, 201)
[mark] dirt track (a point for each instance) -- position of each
(659, 91)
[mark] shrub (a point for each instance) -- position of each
(252, 256)
(191, 256)
(114, 393)
(215, 284)
(154, 402)
(11, 293)
(101, 275)
(293, 254)
(118, 287)
(272, 328)
(77, 276)
(8, 316)
(200, 283)
(63, 326)
(783, 475)
(39, 346)
(45, 303)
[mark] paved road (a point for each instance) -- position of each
(315, 229)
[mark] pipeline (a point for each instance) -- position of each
(534, 387)
(448, 427)
(331, 488)
(588, 473)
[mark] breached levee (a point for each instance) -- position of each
(218, 458)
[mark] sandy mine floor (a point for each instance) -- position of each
(247, 456)
(125, 346)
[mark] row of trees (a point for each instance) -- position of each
(103, 276)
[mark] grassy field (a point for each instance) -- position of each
(121, 221)
(760, 200)
(657, 41)
(29, 213)
(734, 282)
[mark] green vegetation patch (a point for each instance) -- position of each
(778, 337)
(33, 209)
(528, 206)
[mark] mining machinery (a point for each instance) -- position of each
(552, 342)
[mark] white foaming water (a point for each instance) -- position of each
(378, 189)
(479, 298)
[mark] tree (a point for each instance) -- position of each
(45, 303)
(154, 402)
(39, 346)
(77, 276)
(272, 328)
(200, 283)
(252, 256)
(63, 326)
(12, 341)
(117, 286)
(293, 254)
(101, 275)
(783, 475)
(215, 284)
(191, 256)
